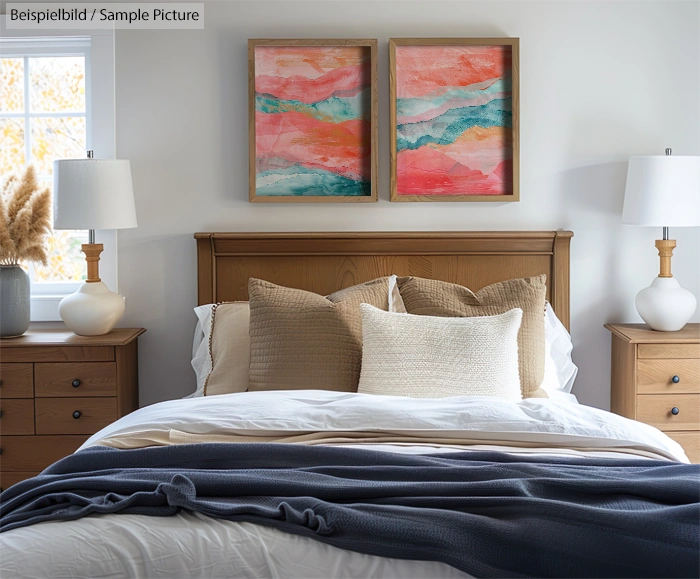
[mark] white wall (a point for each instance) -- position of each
(600, 81)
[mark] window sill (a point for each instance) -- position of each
(44, 308)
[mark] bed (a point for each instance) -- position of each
(322, 483)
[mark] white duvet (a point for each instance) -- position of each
(192, 545)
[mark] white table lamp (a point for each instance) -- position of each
(92, 194)
(663, 191)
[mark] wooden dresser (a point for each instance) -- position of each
(57, 389)
(656, 379)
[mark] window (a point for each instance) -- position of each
(47, 112)
(43, 117)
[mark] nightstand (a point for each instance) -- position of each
(57, 389)
(656, 379)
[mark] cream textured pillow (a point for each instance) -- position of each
(229, 349)
(429, 297)
(434, 357)
(302, 340)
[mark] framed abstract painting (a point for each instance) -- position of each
(312, 115)
(454, 119)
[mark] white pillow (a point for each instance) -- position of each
(201, 360)
(559, 369)
(436, 357)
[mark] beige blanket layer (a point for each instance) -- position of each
(447, 439)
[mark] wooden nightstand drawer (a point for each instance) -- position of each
(656, 376)
(74, 415)
(57, 353)
(17, 416)
(16, 380)
(690, 441)
(668, 350)
(75, 379)
(657, 410)
(7, 479)
(35, 453)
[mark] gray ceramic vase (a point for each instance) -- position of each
(14, 301)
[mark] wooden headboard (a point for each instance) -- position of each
(326, 262)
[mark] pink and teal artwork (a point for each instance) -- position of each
(312, 133)
(454, 121)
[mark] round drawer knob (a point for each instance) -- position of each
(75, 383)
(674, 410)
(76, 414)
(676, 379)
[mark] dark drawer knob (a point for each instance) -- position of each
(76, 414)
(0, 413)
(676, 379)
(674, 410)
(75, 383)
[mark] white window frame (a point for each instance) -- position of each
(97, 46)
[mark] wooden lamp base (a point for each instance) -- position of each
(665, 247)
(92, 256)
(664, 305)
(92, 310)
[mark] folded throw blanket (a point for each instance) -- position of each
(489, 514)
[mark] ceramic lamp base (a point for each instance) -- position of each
(93, 310)
(664, 305)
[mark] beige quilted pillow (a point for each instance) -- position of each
(429, 297)
(302, 340)
(432, 357)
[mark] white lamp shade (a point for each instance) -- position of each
(93, 194)
(662, 191)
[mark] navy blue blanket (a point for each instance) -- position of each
(487, 513)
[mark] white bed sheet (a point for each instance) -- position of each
(537, 422)
(193, 545)
(188, 545)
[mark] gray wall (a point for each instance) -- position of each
(600, 81)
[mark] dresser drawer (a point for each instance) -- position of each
(74, 415)
(66, 379)
(656, 409)
(41, 353)
(7, 479)
(690, 441)
(668, 351)
(16, 380)
(17, 416)
(35, 453)
(655, 376)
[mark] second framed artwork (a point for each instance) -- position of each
(454, 119)
(312, 120)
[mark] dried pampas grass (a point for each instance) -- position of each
(25, 220)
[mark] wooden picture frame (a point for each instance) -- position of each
(427, 157)
(298, 142)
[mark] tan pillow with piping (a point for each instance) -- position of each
(300, 340)
(229, 349)
(431, 297)
(229, 344)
